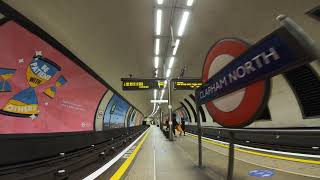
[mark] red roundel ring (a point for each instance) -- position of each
(241, 107)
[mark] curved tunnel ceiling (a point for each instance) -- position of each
(114, 37)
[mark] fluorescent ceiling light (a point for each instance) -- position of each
(154, 106)
(176, 47)
(161, 1)
(162, 93)
(158, 27)
(155, 110)
(155, 94)
(183, 23)
(157, 49)
(168, 73)
(189, 2)
(156, 62)
(157, 73)
(171, 62)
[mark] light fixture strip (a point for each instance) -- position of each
(176, 45)
(155, 94)
(156, 62)
(157, 48)
(160, 2)
(183, 23)
(154, 107)
(189, 2)
(162, 93)
(171, 62)
(168, 73)
(158, 23)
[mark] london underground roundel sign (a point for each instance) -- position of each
(241, 107)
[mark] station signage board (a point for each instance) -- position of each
(278, 52)
(238, 108)
(142, 84)
(186, 84)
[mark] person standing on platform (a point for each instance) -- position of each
(174, 123)
(179, 129)
(183, 126)
(167, 124)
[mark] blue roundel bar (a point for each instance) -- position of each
(285, 48)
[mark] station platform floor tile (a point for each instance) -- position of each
(162, 159)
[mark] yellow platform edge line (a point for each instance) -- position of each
(123, 168)
(261, 154)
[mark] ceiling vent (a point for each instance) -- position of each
(315, 13)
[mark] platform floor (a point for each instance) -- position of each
(163, 160)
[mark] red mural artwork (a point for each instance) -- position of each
(41, 89)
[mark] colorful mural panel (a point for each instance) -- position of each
(41, 89)
(115, 113)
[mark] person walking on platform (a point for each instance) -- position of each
(183, 126)
(167, 124)
(179, 129)
(174, 123)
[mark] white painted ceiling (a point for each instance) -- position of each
(115, 37)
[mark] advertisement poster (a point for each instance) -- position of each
(101, 110)
(185, 114)
(129, 116)
(115, 113)
(181, 114)
(42, 90)
(132, 118)
(139, 119)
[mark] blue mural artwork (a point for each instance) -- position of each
(115, 113)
